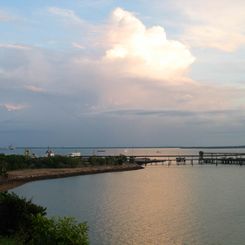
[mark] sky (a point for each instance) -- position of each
(122, 73)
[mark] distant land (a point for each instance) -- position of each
(213, 147)
(122, 147)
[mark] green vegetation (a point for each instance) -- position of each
(14, 162)
(58, 231)
(3, 169)
(112, 160)
(22, 222)
(17, 213)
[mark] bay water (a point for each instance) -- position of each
(159, 205)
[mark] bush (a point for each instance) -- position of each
(27, 224)
(14, 162)
(16, 213)
(3, 168)
(109, 160)
(62, 231)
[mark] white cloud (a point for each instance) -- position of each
(214, 37)
(216, 24)
(77, 45)
(14, 46)
(66, 14)
(144, 52)
(34, 89)
(13, 107)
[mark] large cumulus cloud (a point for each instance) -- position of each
(144, 52)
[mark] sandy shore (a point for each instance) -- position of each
(19, 177)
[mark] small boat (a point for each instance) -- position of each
(75, 154)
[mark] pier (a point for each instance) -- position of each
(203, 158)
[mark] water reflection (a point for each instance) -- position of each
(158, 205)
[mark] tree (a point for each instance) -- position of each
(27, 223)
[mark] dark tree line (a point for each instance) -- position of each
(14, 162)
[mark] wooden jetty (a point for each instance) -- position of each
(202, 158)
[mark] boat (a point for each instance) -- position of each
(75, 154)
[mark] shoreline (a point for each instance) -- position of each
(19, 177)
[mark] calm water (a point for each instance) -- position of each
(157, 205)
